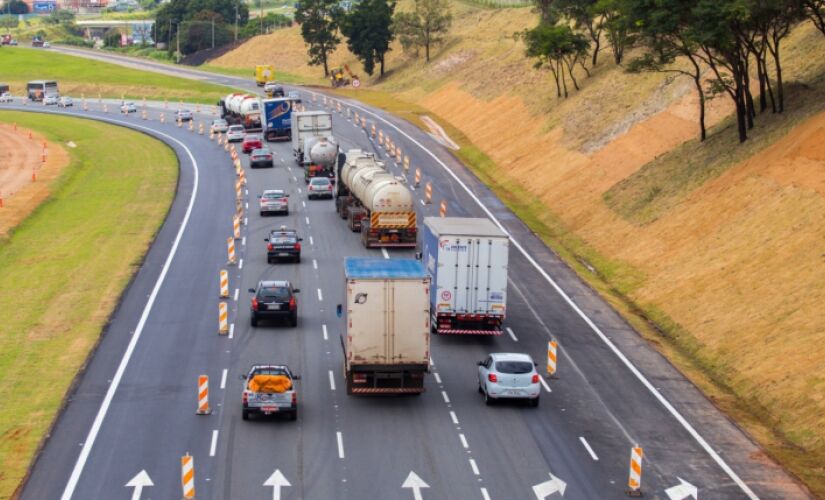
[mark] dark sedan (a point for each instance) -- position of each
(260, 158)
(283, 243)
(274, 300)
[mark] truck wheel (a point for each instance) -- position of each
(245, 415)
(253, 321)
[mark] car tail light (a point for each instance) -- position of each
(269, 246)
(292, 304)
(535, 378)
(254, 303)
(298, 247)
(492, 377)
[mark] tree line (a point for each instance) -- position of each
(718, 43)
(370, 28)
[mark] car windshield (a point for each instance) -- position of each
(273, 196)
(319, 181)
(275, 292)
(515, 367)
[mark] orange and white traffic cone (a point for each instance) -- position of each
(428, 193)
(236, 227)
(200, 128)
(191, 125)
(223, 318)
(357, 118)
(163, 117)
(224, 283)
(230, 248)
(203, 396)
(380, 137)
(634, 481)
(417, 177)
(372, 131)
(442, 210)
(398, 154)
(552, 349)
(187, 475)
(406, 164)
(363, 122)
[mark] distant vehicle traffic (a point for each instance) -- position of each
(50, 100)
(264, 73)
(219, 125)
(319, 187)
(6, 97)
(272, 89)
(274, 201)
(36, 90)
(128, 107)
(387, 339)
(308, 124)
(321, 157)
(241, 109)
(261, 157)
(250, 142)
(283, 243)
(65, 102)
(269, 390)
(274, 300)
(183, 115)
(508, 376)
(277, 120)
(235, 133)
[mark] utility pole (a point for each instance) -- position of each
(177, 53)
(213, 32)
(262, 16)
(236, 23)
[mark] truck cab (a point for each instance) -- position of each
(269, 390)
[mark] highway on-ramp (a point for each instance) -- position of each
(133, 409)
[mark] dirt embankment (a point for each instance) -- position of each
(24, 178)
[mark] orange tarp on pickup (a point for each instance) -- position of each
(270, 383)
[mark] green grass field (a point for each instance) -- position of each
(62, 270)
(77, 75)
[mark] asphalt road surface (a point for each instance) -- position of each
(133, 409)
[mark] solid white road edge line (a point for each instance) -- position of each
(512, 335)
(124, 362)
(544, 383)
(223, 378)
(630, 366)
(214, 446)
(331, 381)
(588, 448)
(340, 439)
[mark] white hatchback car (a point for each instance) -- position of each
(65, 102)
(50, 100)
(509, 376)
(219, 125)
(235, 133)
(128, 107)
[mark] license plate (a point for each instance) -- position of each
(274, 306)
(283, 254)
(269, 409)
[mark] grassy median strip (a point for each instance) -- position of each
(78, 75)
(62, 270)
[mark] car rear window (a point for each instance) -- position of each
(275, 292)
(282, 237)
(236, 128)
(268, 371)
(261, 152)
(515, 367)
(273, 196)
(320, 181)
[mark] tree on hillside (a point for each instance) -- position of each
(425, 26)
(582, 13)
(557, 48)
(661, 27)
(815, 10)
(319, 21)
(546, 10)
(171, 17)
(368, 29)
(613, 14)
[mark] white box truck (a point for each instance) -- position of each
(387, 341)
(466, 259)
(307, 124)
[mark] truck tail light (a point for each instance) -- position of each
(269, 246)
(535, 378)
(245, 397)
(254, 303)
(292, 304)
(294, 398)
(492, 377)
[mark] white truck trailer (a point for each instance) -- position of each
(308, 124)
(466, 259)
(387, 341)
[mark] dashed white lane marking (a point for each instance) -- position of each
(463, 439)
(240, 264)
(340, 445)
(246, 191)
(331, 381)
(243, 241)
(307, 219)
(484, 494)
(320, 296)
(303, 203)
(237, 291)
(544, 383)
(299, 189)
(314, 264)
(386, 254)
(437, 378)
(422, 203)
(445, 396)
(246, 205)
(232, 330)
(512, 335)
(588, 448)
(245, 221)
(474, 467)
(324, 328)
(223, 378)
(310, 241)
(214, 446)
(454, 417)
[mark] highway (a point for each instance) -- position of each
(133, 409)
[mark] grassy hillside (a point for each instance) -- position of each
(716, 244)
(78, 76)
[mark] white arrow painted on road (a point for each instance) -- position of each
(682, 490)
(277, 481)
(140, 481)
(416, 483)
(547, 488)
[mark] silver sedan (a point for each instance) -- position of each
(508, 376)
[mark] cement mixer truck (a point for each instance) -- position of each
(321, 157)
(241, 109)
(375, 202)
